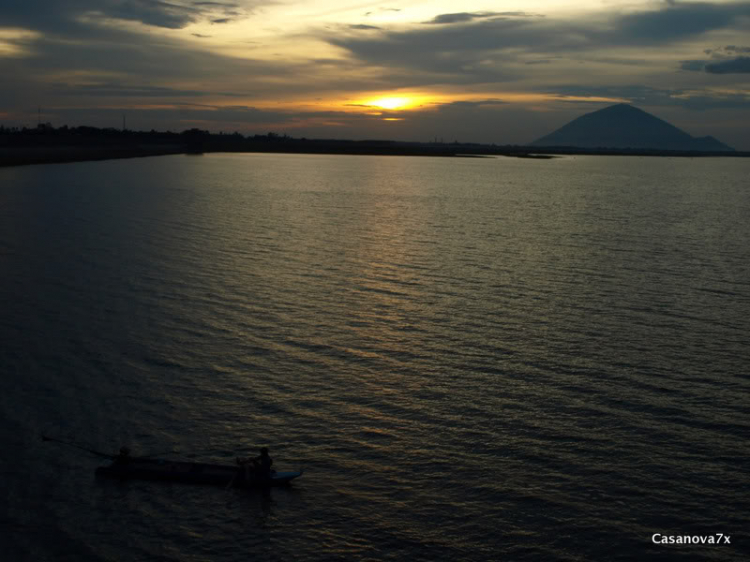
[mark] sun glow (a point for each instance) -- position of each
(391, 103)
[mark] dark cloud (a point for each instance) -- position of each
(125, 90)
(156, 13)
(363, 26)
(703, 102)
(433, 50)
(64, 16)
(138, 68)
(736, 49)
(729, 50)
(146, 67)
(739, 65)
(693, 65)
(176, 118)
(616, 60)
(155, 60)
(642, 95)
(382, 10)
(461, 105)
(679, 21)
(463, 17)
(478, 45)
(216, 4)
(724, 60)
(656, 97)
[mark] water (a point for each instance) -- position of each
(472, 359)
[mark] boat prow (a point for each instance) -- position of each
(192, 473)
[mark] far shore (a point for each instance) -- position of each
(49, 153)
(24, 156)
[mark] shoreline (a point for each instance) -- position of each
(27, 156)
(31, 155)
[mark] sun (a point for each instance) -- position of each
(375, 103)
(390, 103)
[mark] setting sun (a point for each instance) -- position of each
(391, 103)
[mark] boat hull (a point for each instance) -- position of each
(191, 473)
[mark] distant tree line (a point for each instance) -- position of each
(124, 142)
(47, 130)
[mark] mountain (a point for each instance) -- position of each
(623, 126)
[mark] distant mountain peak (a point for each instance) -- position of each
(622, 107)
(624, 126)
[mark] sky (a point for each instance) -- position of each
(500, 71)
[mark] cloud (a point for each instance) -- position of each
(679, 21)
(155, 13)
(736, 49)
(729, 50)
(441, 50)
(470, 104)
(382, 10)
(702, 100)
(695, 99)
(217, 4)
(463, 17)
(493, 47)
(69, 16)
(133, 66)
(362, 26)
(724, 60)
(177, 117)
(121, 90)
(739, 65)
(693, 65)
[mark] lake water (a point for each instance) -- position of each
(472, 359)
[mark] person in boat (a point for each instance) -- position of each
(263, 463)
(123, 457)
(258, 468)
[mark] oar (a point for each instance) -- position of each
(232, 480)
(240, 469)
(69, 444)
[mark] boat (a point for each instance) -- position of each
(192, 473)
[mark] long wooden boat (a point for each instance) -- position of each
(191, 473)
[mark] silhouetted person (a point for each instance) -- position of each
(263, 464)
(123, 457)
(255, 469)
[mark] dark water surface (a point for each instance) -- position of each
(472, 359)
